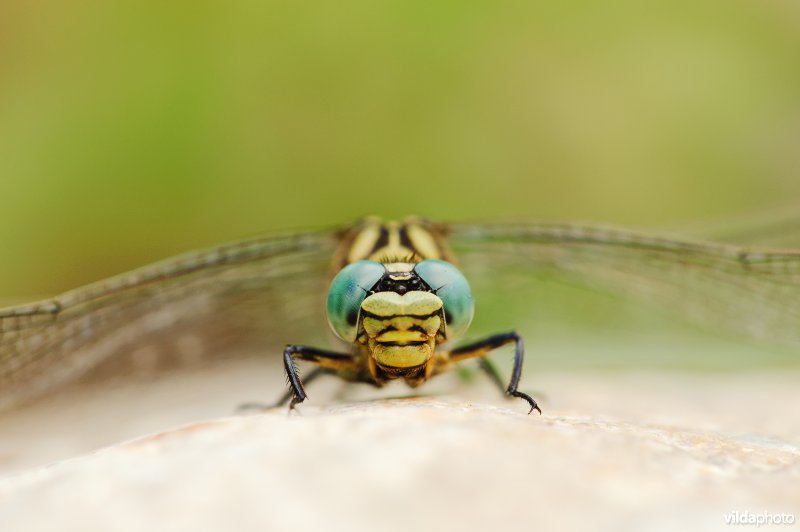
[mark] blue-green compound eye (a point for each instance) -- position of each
(348, 290)
(453, 289)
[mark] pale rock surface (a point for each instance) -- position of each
(612, 452)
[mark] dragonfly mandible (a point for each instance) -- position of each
(255, 295)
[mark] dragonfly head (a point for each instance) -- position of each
(401, 330)
(399, 311)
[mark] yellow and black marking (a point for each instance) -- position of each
(410, 241)
(401, 332)
(401, 322)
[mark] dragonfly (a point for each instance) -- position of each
(396, 296)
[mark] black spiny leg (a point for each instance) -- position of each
(480, 349)
(312, 376)
(330, 360)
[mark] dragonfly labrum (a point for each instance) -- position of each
(398, 299)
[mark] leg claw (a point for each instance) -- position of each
(529, 399)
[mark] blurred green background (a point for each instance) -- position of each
(132, 130)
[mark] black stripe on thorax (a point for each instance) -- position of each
(405, 241)
(383, 239)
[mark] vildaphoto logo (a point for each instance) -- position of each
(747, 517)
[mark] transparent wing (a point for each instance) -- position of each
(748, 290)
(780, 228)
(251, 296)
